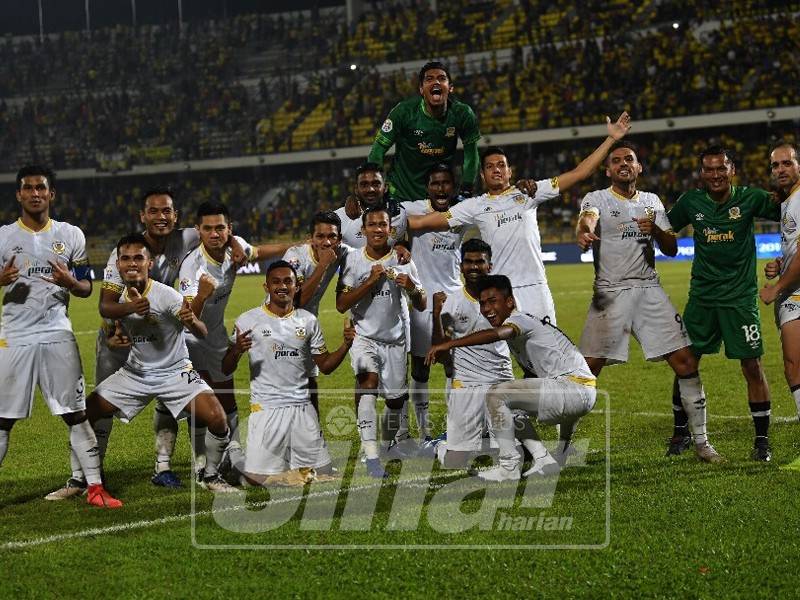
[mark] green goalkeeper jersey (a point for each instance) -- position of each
(422, 141)
(724, 266)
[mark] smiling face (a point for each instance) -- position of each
(474, 266)
(370, 188)
(785, 167)
(496, 306)
(496, 173)
(716, 172)
(215, 231)
(623, 167)
(376, 229)
(133, 264)
(440, 190)
(435, 88)
(34, 195)
(281, 285)
(159, 215)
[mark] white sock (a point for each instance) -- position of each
(3, 444)
(419, 394)
(83, 441)
(166, 429)
(694, 403)
(235, 446)
(796, 396)
(367, 427)
(524, 432)
(448, 386)
(75, 465)
(402, 431)
(197, 437)
(215, 446)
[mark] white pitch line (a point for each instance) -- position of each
(61, 537)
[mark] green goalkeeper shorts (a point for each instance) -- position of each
(739, 327)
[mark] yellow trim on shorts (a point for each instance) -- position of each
(587, 381)
(3, 344)
(457, 385)
(254, 408)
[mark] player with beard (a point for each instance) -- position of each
(424, 130)
(620, 224)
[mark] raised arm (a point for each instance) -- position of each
(616, 131)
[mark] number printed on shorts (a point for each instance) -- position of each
(192, 376)
(751, 333)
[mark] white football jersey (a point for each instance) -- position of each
(158, 345)
(486, 364)
(353, 236)
(545, 349)
(35, 310)
(379, 315)
(624, 257)
(303, 261)
(199, 262)
(282, 348)
(507, 223)
(166, 265)
(437, 254)
(790, 219)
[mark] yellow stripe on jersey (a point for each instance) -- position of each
(254, 408)
(587, 381)
(113, 287)
(3, 344)
(517, 331)
(457, 385)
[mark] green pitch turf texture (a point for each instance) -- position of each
(677, 527)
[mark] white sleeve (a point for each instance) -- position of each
(248, 248)
(347, 280)
(292, 256)
(315, 340)
(188, 278)
(79, 256)
(462, 213)
(546, 189)
(590, 204)
(660, 218)
(111, 277)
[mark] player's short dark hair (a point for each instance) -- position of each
(623, 144)
(368, 167)
(209, 209)
(280, 264)
(476, 245)
(492, 150)
(498, 282)
(327, 217)
(716, 151)
(373, 209)
(159, 190)
(134, 239)
(785, 145)
(31, 170)
(442, 168)
(434, 64)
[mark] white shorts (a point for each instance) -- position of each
(787, 310)
(645, 312)
(284, 437)
(535, 300)
(107, 361)
(421, 331)
(467, 416)
(54, 366)
(207, 353)
(551, 400)
(387, 360)
(131, 392)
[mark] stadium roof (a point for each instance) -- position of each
(21, 17)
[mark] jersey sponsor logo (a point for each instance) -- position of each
(17, 250)
(185, 284)
(144, 339)
(39, 270)
(487, 209)
(418, 132)
(443, 245)
(713, 236)
(615, 213)
(428, 149)
(699, 217)
(735, 212)
(451, 132)
(284, 352)
(300, 332)
(59, 247)
(387, 126)
(630, 231)
(266, 332)
(505, 219)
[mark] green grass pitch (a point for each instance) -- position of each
(676, 527)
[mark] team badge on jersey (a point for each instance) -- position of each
(185, 285)
(735, 212)
(300, 332)
(295, 263)
(451, 132)
(387, 126)
(59, 247)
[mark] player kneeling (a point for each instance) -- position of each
(157, 367)
(283, 431)
(562, 394)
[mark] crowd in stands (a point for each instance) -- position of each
(125, 96)
(278, 202)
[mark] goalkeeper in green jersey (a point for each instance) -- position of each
(723, 293)
(425, 131)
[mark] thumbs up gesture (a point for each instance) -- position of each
(139, 304)
(185, 314)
